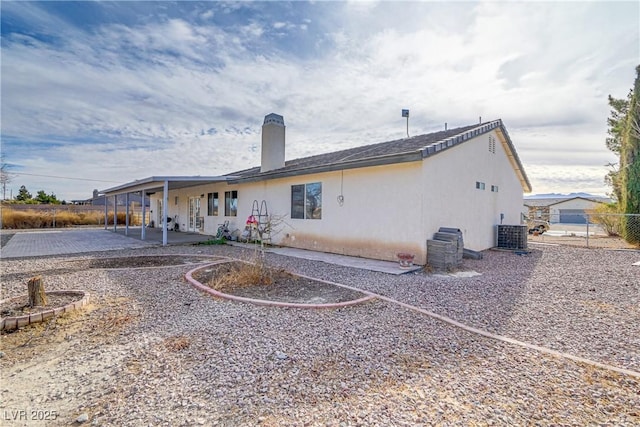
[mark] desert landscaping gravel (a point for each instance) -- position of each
(152, 350)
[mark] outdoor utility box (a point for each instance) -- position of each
(446, 249)
(452, 235)
(511, 237)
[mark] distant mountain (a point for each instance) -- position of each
(564, 196)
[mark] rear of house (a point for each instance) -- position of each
(371, 201)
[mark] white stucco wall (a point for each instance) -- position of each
(454, 200)
(376, 218)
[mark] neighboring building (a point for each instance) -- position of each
(371, 201)
(563, 210)
(99, 200)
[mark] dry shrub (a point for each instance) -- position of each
(17, 219)
(240, 274)
(31, 218)
(177, 343)
(608, 216)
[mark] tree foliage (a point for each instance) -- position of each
(630, 165)
(617, 125)
(23, 194)
(624, 140)
(42, 197)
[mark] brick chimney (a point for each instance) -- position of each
(272, 143)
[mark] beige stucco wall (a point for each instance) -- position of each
(451, 197)
(380, 214)
(386, 209)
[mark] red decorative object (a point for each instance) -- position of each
(406, 259)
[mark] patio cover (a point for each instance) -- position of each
(164, 184)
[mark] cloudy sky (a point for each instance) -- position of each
(109, 92)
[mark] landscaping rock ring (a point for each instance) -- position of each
(10, 323)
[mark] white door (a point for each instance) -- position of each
(194, 213)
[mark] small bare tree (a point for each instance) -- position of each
(5, 176)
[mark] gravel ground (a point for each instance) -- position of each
(151, 350)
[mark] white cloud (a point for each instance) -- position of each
(148, 91)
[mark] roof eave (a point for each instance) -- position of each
(514, 159)
(154, 182)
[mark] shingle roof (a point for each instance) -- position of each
(397, 151)
(542, 202)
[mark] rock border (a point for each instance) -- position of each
(189, 277)
(16, 322)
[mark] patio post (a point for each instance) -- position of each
(126, 215)
(165, 202)
(115, 212)
(106, 212)
(144, 215)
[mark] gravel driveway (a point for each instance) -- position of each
(151, 350)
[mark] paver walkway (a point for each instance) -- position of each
(57, 242)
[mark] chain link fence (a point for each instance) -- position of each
(592, 230)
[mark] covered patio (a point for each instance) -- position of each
(156, 235)
(146, 187)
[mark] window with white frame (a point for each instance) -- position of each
(231, 203)
(494, 188)
(480, 185)
(212, 204)
(306, 201)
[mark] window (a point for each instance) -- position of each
(306, 201)
(212, 204)
(494, 188)
(231, 203)
(480, 185)
(539, 213)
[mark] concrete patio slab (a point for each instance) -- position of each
(343, 260)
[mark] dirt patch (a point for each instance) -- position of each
(145, 261)
(74, 265)
(284, 287)
(604, 242)
(45, 360)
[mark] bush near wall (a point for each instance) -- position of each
(609, 217)
(21, 219)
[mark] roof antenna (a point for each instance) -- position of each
(445, 125)
(480, 119)
(405, 113)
